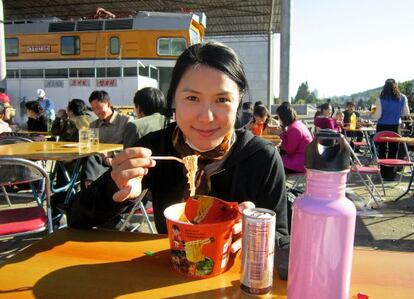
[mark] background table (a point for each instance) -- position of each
(106, 264)
(60, 152)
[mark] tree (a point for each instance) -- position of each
(302, 93)
(407, 88)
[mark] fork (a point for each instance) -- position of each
(167, 158)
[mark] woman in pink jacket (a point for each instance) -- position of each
(295, 138)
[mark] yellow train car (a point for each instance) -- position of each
(70, 59)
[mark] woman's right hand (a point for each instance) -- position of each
(128, 169)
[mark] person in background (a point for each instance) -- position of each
(67, 125)
(4, 126)
(4, 97)
(150, 106)
(67, 128)
(246, 115)
(47, 104)
(324, 120)
(261, 121)
(390, 107)
(258, 103)
(37, 120)
(295, 138)
(350, 109)
(111, 126)
(207, 85)
(339, 118)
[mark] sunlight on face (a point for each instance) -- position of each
(260, 120)
(327, 112)
(206, 105)
(101, 109)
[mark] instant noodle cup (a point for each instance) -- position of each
(198, 250)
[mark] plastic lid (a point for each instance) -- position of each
(327, 152)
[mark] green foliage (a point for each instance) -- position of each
(304, 96)
(407, 88)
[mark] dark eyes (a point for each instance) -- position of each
(196, 99)
(223, 100)
(191, 98)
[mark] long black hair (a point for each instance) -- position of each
(214, 55)
(390, 90)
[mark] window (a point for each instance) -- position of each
(114, 45)
(102, 72)
(144, 71)
(82, 73)
(194, 36)
(70, 45)
(12, 74)
(35, 73)
(171, 46)
(56, 73)
(154, 73)
(12, 47)
(130, 71)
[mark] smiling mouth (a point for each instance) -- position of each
(206, 133)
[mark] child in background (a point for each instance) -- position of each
(339, 117)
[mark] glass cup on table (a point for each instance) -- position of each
(94, 136)
(84, 138)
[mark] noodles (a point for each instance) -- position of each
(190, 163)
(193, 250)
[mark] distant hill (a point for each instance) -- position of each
(364, 95)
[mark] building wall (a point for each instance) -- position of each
(253, 51)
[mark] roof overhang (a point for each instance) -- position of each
(224, 17)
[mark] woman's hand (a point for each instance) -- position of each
(237, 227)
(128, 169)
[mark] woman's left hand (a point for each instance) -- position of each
(237, 227)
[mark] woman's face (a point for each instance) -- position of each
(260, 120)
(206, 103)
(327, 112)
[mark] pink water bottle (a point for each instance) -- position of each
(323, 224)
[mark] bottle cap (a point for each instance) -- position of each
(327, 152)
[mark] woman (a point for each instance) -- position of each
(324, 119)
(68, 129)
(4, 125)
(395, 104)
(262, 121)
(37, 120)
(207, 86)
(295, 138)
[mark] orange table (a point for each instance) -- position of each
(110, 264)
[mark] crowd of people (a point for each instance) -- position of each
(213, 121)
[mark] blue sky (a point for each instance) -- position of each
(346, 46)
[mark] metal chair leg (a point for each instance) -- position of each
(6, 195)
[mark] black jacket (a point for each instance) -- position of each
(252, 172)
(38, 124)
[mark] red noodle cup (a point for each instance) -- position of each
(198, 250)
